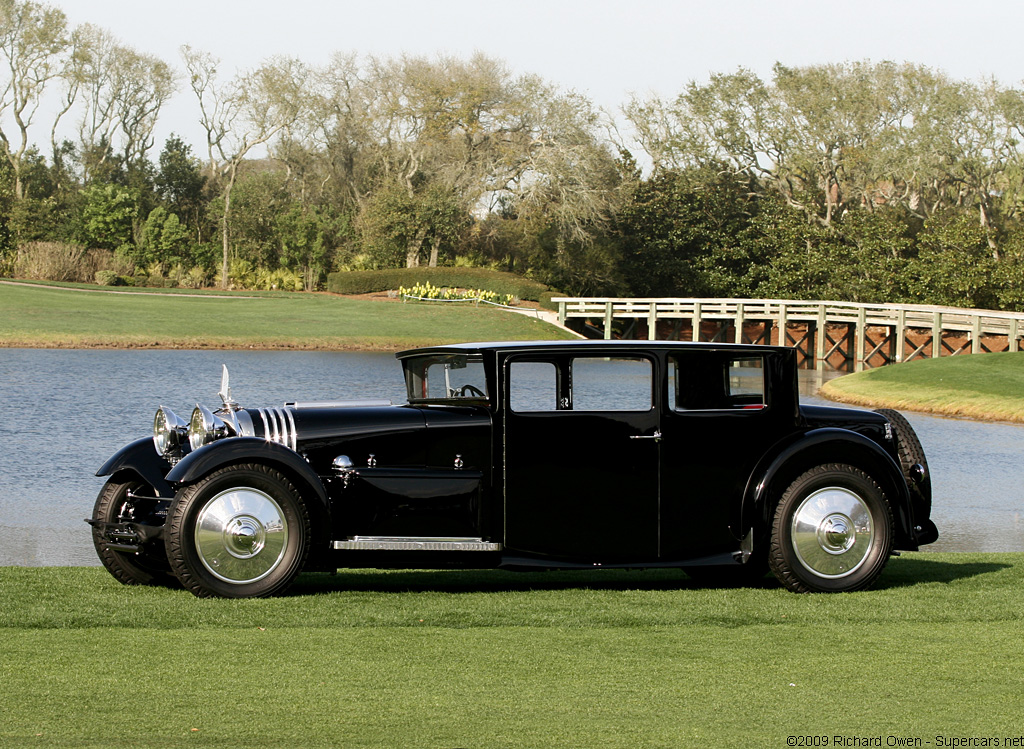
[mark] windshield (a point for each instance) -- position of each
(445, 377)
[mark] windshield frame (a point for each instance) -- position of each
(422, 372)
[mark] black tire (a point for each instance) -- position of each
(113, 505)
(911, 452)
(832, 531)
(241, 532)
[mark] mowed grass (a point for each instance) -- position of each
(984, 386)
(49, 316)
(495, 659)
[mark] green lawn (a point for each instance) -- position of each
(60, 317)
(986, 386)
(494, 659)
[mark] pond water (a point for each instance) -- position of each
(65, 412)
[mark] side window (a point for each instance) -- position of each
(745, 383)
(533, 386)
(699, 382)
(611, 384)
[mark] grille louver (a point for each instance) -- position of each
(279, 426)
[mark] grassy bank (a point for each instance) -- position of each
(48, 316)
(984, 386)
(481, 659)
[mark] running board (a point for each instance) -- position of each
(413, 543)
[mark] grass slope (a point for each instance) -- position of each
(985, 386)
(493, 659)
(44, 316)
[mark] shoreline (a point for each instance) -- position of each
(960, 411)
(188, 345)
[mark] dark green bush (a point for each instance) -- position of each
(374, 281)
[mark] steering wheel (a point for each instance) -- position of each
(472, 390)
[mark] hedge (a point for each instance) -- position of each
(374, 281)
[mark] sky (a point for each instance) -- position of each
(606, 50)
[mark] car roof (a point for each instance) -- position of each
(584, 345)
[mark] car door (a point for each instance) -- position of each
(581, 456)
(722, 416)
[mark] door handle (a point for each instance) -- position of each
(656, 436)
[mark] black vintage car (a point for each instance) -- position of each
(525, 455)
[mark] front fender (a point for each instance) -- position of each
(234, 450)
(780, 466)
(141, 457)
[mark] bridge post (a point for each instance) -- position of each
(976, 335)
(820, 336)
(860, 339)
(652, 321)
(936, 335)
(1011, 344)
(561, 314)
(608, 320)
(901, 334)
(783, 325)
(695, 332)
(738, 333)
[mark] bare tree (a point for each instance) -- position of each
(144, 84)
(98, 123)
(249, 111)
(33, 42)
(124, 92)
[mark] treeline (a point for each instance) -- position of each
(857, 181)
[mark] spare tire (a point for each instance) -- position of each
(911, 453)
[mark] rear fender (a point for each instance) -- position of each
(781, 466)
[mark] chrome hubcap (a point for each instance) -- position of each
(832, 532)
(241, 535)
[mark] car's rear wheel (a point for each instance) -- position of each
(241, 532)
(832, 531)
(117, 502)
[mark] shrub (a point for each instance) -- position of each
(195, 278)
(108, 278)
(281, 279)
(429, 291)
(497, 282)
(52, 261)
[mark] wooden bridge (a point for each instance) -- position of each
(845, 336)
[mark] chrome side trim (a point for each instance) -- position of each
(410, 543)
(342, 404)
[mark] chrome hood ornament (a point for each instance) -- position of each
(225, 391)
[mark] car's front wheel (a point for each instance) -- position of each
(127, 500)
(832, 531)
(241, 532)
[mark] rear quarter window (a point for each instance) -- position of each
(714, 383)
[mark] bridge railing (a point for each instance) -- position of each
(840, 335)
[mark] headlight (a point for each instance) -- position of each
(204, 427)
(169, 431)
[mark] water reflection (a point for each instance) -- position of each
(65, 412)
